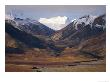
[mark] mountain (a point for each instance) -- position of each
(95, 46)
(55, 23)
(81, 29)
(87, 36)
(23, 37)
(18, 40)
(31, 26)
(84, 34)
(12, 45)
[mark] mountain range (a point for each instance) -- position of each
(86, 34)
(31, 26)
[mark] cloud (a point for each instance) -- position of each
(55, 23)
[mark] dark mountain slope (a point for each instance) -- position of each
(24, 37)
(95, 46)
(30, 41)
(12, 45)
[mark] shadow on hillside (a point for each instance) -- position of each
(11, 50)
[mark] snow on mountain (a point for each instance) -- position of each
(26, 21)
(9, 17)
(82, 28)
(30, 26)
(55, 23)
(87, 19)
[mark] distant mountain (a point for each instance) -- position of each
(31, 26)
(55, 23)
(81, 29)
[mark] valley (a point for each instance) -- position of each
(31, 62)
(78, 47)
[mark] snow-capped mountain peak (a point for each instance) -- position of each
(26, 21)
(87, 19)
(30, 26)
(9, 17)
(55, 23)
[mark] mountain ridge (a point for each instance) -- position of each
(31, 26)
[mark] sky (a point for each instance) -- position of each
(54, 16)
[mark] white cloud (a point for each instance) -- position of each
(55, 23)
